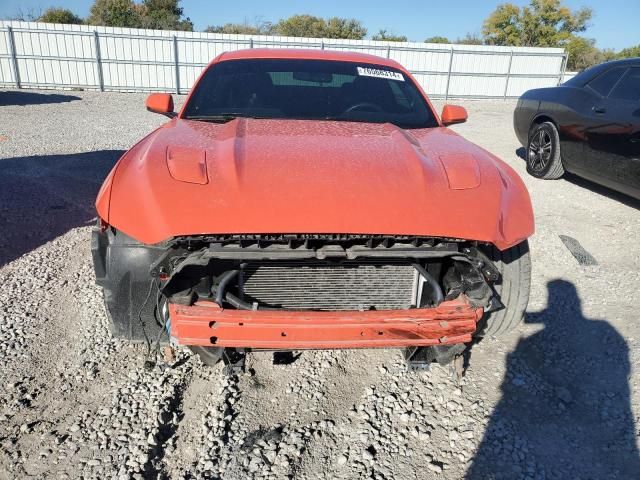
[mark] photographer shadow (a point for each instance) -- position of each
(44, 196)
(565, 410)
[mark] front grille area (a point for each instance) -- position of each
(322, 285)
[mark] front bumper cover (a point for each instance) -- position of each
(207, 324)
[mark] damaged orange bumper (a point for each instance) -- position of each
(206, 324)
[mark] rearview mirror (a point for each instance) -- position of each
(315, 77)
(453, 114)
(161, 103)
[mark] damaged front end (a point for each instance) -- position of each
(295, 292)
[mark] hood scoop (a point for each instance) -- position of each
(187, 164)
(462, 169)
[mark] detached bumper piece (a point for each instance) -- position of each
(206, 324)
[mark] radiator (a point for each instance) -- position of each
(322, 285)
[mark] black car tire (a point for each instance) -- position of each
(208, 355)
(512, 289)
(543, 152)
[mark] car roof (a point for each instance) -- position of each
(308, 54)
(585, 76)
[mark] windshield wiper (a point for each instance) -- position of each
(220, 118)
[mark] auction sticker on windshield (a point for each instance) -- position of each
(375, 72)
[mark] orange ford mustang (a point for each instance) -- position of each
(311, 200)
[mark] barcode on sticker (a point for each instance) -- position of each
(375, 72)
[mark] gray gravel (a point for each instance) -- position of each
(559, 398)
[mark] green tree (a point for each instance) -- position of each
(582, 53)
(301, 26)
(388, 37)
(544, 23)
(59, 15)
(164, 15)
(630, 52)
(503, 26)
(437, 39)
(310, 26)
(258, 27)
(548, 23)
(115, 13)
(233, 28)
(470, 39)
(349, 28)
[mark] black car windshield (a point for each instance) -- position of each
(308, 90)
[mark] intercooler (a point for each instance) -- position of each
(323, 285)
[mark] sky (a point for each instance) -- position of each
(614, 24)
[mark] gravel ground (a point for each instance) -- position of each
(559, 398)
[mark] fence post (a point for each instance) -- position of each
(176, 63)
(14, 57)
(446, 93)
(96, 41)
(506, 84)
(322, 45)
(563, 67)
(388, 51)
(251, 43)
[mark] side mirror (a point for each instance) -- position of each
(453, 114)
(161, 103)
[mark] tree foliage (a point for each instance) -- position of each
(386, 36)
(300, 26)
(437, 39)
(261, 28)
(582, 53)
(544, 23)
(630, 52)
(115, 13)
(470, 39)
(503, 26)
(156, 14)
(59, 15)
(548, 23)
(310, 26)
(164, 15)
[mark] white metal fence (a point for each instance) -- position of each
(568, 76)
(40, 55)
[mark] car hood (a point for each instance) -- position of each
(297, 176)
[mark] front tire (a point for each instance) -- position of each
(512, 289)
(543, 152)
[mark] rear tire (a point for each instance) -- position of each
(513, 288)
(543, 152)
(210, 356)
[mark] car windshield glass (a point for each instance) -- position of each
(309, 89)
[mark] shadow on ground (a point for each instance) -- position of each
(33, 98)
(594, 187)
(565, 409)
(43, 197)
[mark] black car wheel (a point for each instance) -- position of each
(513, 288)
(543, 152)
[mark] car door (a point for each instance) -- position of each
(593, 121)
(613, 138)
(624, 100)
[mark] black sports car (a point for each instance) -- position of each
(589, 126)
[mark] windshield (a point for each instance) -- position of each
(308, 89)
